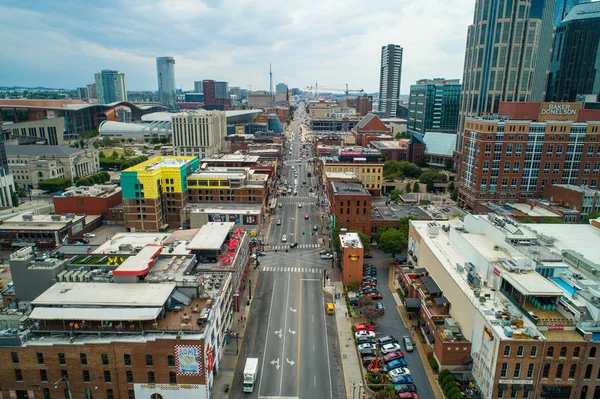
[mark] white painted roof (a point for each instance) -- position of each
(95, 314)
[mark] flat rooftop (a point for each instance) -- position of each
(159, 163)
(119, 242)
(233, 158)
(349, 188)
(105, 294)
(139, 264)
(535, 211)
(381, 211)
(341, 175)
(211, 236)
(39, 222)
(96, 191)
(391, 145)
(350, 240)
(225, 208)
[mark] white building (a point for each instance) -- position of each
(199, 133)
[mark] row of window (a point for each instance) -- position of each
(85, 374)
(83, 359)
(550, 351)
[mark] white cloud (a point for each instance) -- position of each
(332, 42)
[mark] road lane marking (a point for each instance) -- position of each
(262, 367)
(287, 298)
(299, 341)
(327, 347)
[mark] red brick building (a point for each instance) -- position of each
(351, 257)
(283, 113)
(93, 200)
(583, 199)
(514, 159)
(364, 105)
(350, 205)
(370, 128)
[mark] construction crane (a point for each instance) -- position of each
(346, 90)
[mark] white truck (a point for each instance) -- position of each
(250, 371)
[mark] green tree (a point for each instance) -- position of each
(81, 143)
(408, 188)
(433, 176)
(364, 300)
(454, 195)
(129, 152)
(155, 140)
(335, 239)
(106, 175)
(56, 184)
(130, 140)
(395, 195)
(114, 155)
(365, 240)
(449, 164)
(421, 162)
(15, 199)
(551, 220)
(75, 144)
(372, 314)
(101, 154)
(393, 242)
(451, 186)
(527, 220)
(590, 216)
(416, 188)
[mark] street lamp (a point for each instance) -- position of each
(65, 379)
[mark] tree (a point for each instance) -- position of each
(114, 155)
(364, 300)
(365, 240)
(53, 185)
(454, 195)
(421, 162)
(129, 152)
(451, 186)
(15, 199)
(395, 195)
(372, 314)
(527, 220)
(81, 143)
(101, 154)
(449, 164)
(551, 220)
(393, 242)
(130, 140)
(408, 188)
(416, 188)
(590, 216)
(75, 144)
(433, 177)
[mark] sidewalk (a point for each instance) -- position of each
(422, 349)
(351, 366)
(230, 356)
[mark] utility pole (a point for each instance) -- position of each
(270, 85)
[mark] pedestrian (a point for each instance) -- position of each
(346, 314)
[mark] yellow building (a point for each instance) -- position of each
(369, 173)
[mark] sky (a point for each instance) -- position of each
(61, 44)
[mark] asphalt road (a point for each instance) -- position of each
(288, 329)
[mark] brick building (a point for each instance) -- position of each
(93, 200)
(351, 257)
(367, 164)
(515, 156)
(350, 205)
(583, 199)
(370, 128)
(364, 105)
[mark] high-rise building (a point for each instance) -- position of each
(281, 88)
(110, 86)
(563, 7)
(216, 93)
(507, 55)
(198, 86)
(434, 105)
(575, 68)
(7, 183)
(91, 91)
(82, 93)
(199, 133)
(364, 105)
(389, 79)
(165, 71)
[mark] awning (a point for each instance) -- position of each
(426, 329)
(180, 297)
(431, 285)
(502, 387)
(430, 338)
(516, 387)
(528, 387)
(441, 300)
(95, 314)
(412, 304)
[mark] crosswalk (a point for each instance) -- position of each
(292, 269)
(291, 199)
(300, 246)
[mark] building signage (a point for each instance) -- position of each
(188, 359)
(559, 111)
(497, 271)
(350, 153)
(556, 327)
(171, 391)
(354, 257)
(524, 382)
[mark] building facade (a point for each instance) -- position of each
(165, 71)
(507, 56)
(110, 86)
(350, 205)
(434, 105)
(7, 183)
(389, 79)
(155, 192)
(82, 93)
(199, 133)
(199, 86)
(364, 105)
(31, 164)
(508, 159)
(215, 94)
(580, 198)
(92, 200)
(575, 69)
(259, 99)
(50, 131)
(369, 170)
(281, 88)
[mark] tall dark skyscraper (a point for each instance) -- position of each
(575, 67)
(507, 55)
(433, 105)
(110, 86)
(389, 81)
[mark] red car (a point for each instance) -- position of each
(369, 284)
(374, 295)
(306, 217)
(393, 356)
(368, 255)
(363, 327)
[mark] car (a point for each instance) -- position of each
(315, 227)
(303, 181)
(278, 222)
(327, 256)
(401, 259)
(366, 345)
(402, 379)
(310, 190)
(284, 238)
(393, 356)
(379, 305)
(81, 241)
(388, 339)
(363, 327)
(364, 333)
(374, 295)
(408, 343)
(400, 388)
(369, 255)
(391, 347)
(408, 395)
(299, 205)
(369, 284)
(366, 340)
(323, 251)
(369, 274)
(296, 193)
(394, 364)
(367, 352)
(305, 217)
(89, 235)
(280, 205)
(259, 253)
(367, 360)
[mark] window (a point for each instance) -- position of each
(503, 370)
(517, 370)
(172, 378)
(83, 358)
(131, 394)
(43, 375)
(149, 361)
(530, 370)
(64, 373)
(47, 393)
(15, 357)
(104, 358)
(129, 376)
(550, 351)
(127, 360)
(572, 371)
(171, 360)
(61, 359)
(151, 377)
(18, 375)
(86, 376)
(500, 393)
(533, 351)
(107, 376)
(559, 370)
(507, 350)
(520, 350)
(513, 394)
(563, 351)
(588, 372)
(593, 352)
(40, 358)
(110, 394)
(546, 371)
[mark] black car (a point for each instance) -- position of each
(367, 360)
(367, 352)
(366, 340)
(388, 339)
(401, 388)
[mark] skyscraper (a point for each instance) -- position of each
(198, 87)
(91, 91)
(434, 105)
(281, 88)
(507, 55)
(574, 69)
(562, 9)
(165, 71)
(389, 80)
(110, 86)
(216, 95)
(82, 93)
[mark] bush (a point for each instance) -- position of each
(56, 184)
(448, 378)
(453, 391)
(447, 387)
(400, 293)
(375, 379)
(457, 396)
(443, 374)
(434, 364)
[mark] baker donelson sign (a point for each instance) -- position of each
(559, 111)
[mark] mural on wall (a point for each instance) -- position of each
(188, 359)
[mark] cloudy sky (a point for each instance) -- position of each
(57, 43)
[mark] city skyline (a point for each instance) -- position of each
(229, 42)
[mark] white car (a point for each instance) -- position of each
(299, 205)
(388, 348)
(89, 235)
(399, 371)
(366, 346)
(326, 256)
(368, 334)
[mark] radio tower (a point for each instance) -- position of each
(270, 85)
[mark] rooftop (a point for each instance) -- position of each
(157, 163)
(391, 145)
(130, 242)
(139, 264)
(380, 211)
(341, 175)
(579, 189)
(211, 236)
(340, 187)
(40, 222)
(350, 240)
(224, 208)
(232, 158)
(46, 150)
(97, 191)
(439, 143)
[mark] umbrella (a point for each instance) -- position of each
(238, 230)
(225, 260)
(231, 254)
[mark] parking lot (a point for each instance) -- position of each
(105, 232)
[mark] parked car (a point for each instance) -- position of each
(366, 346)
(408, 395)
(327, 256)
(388, 339)
(402, 379)
(367, 360)
(369, 255)
(364, 333)
(394, 364)
(401, 259)
(401, 388)
(374, 295)
(366, 340)
(393, 356)
(363, 327)
(259, 253)
(379, 305)
(366, 352)
(391, 347)
(408, 345)
(89, 235)
(369, 284)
